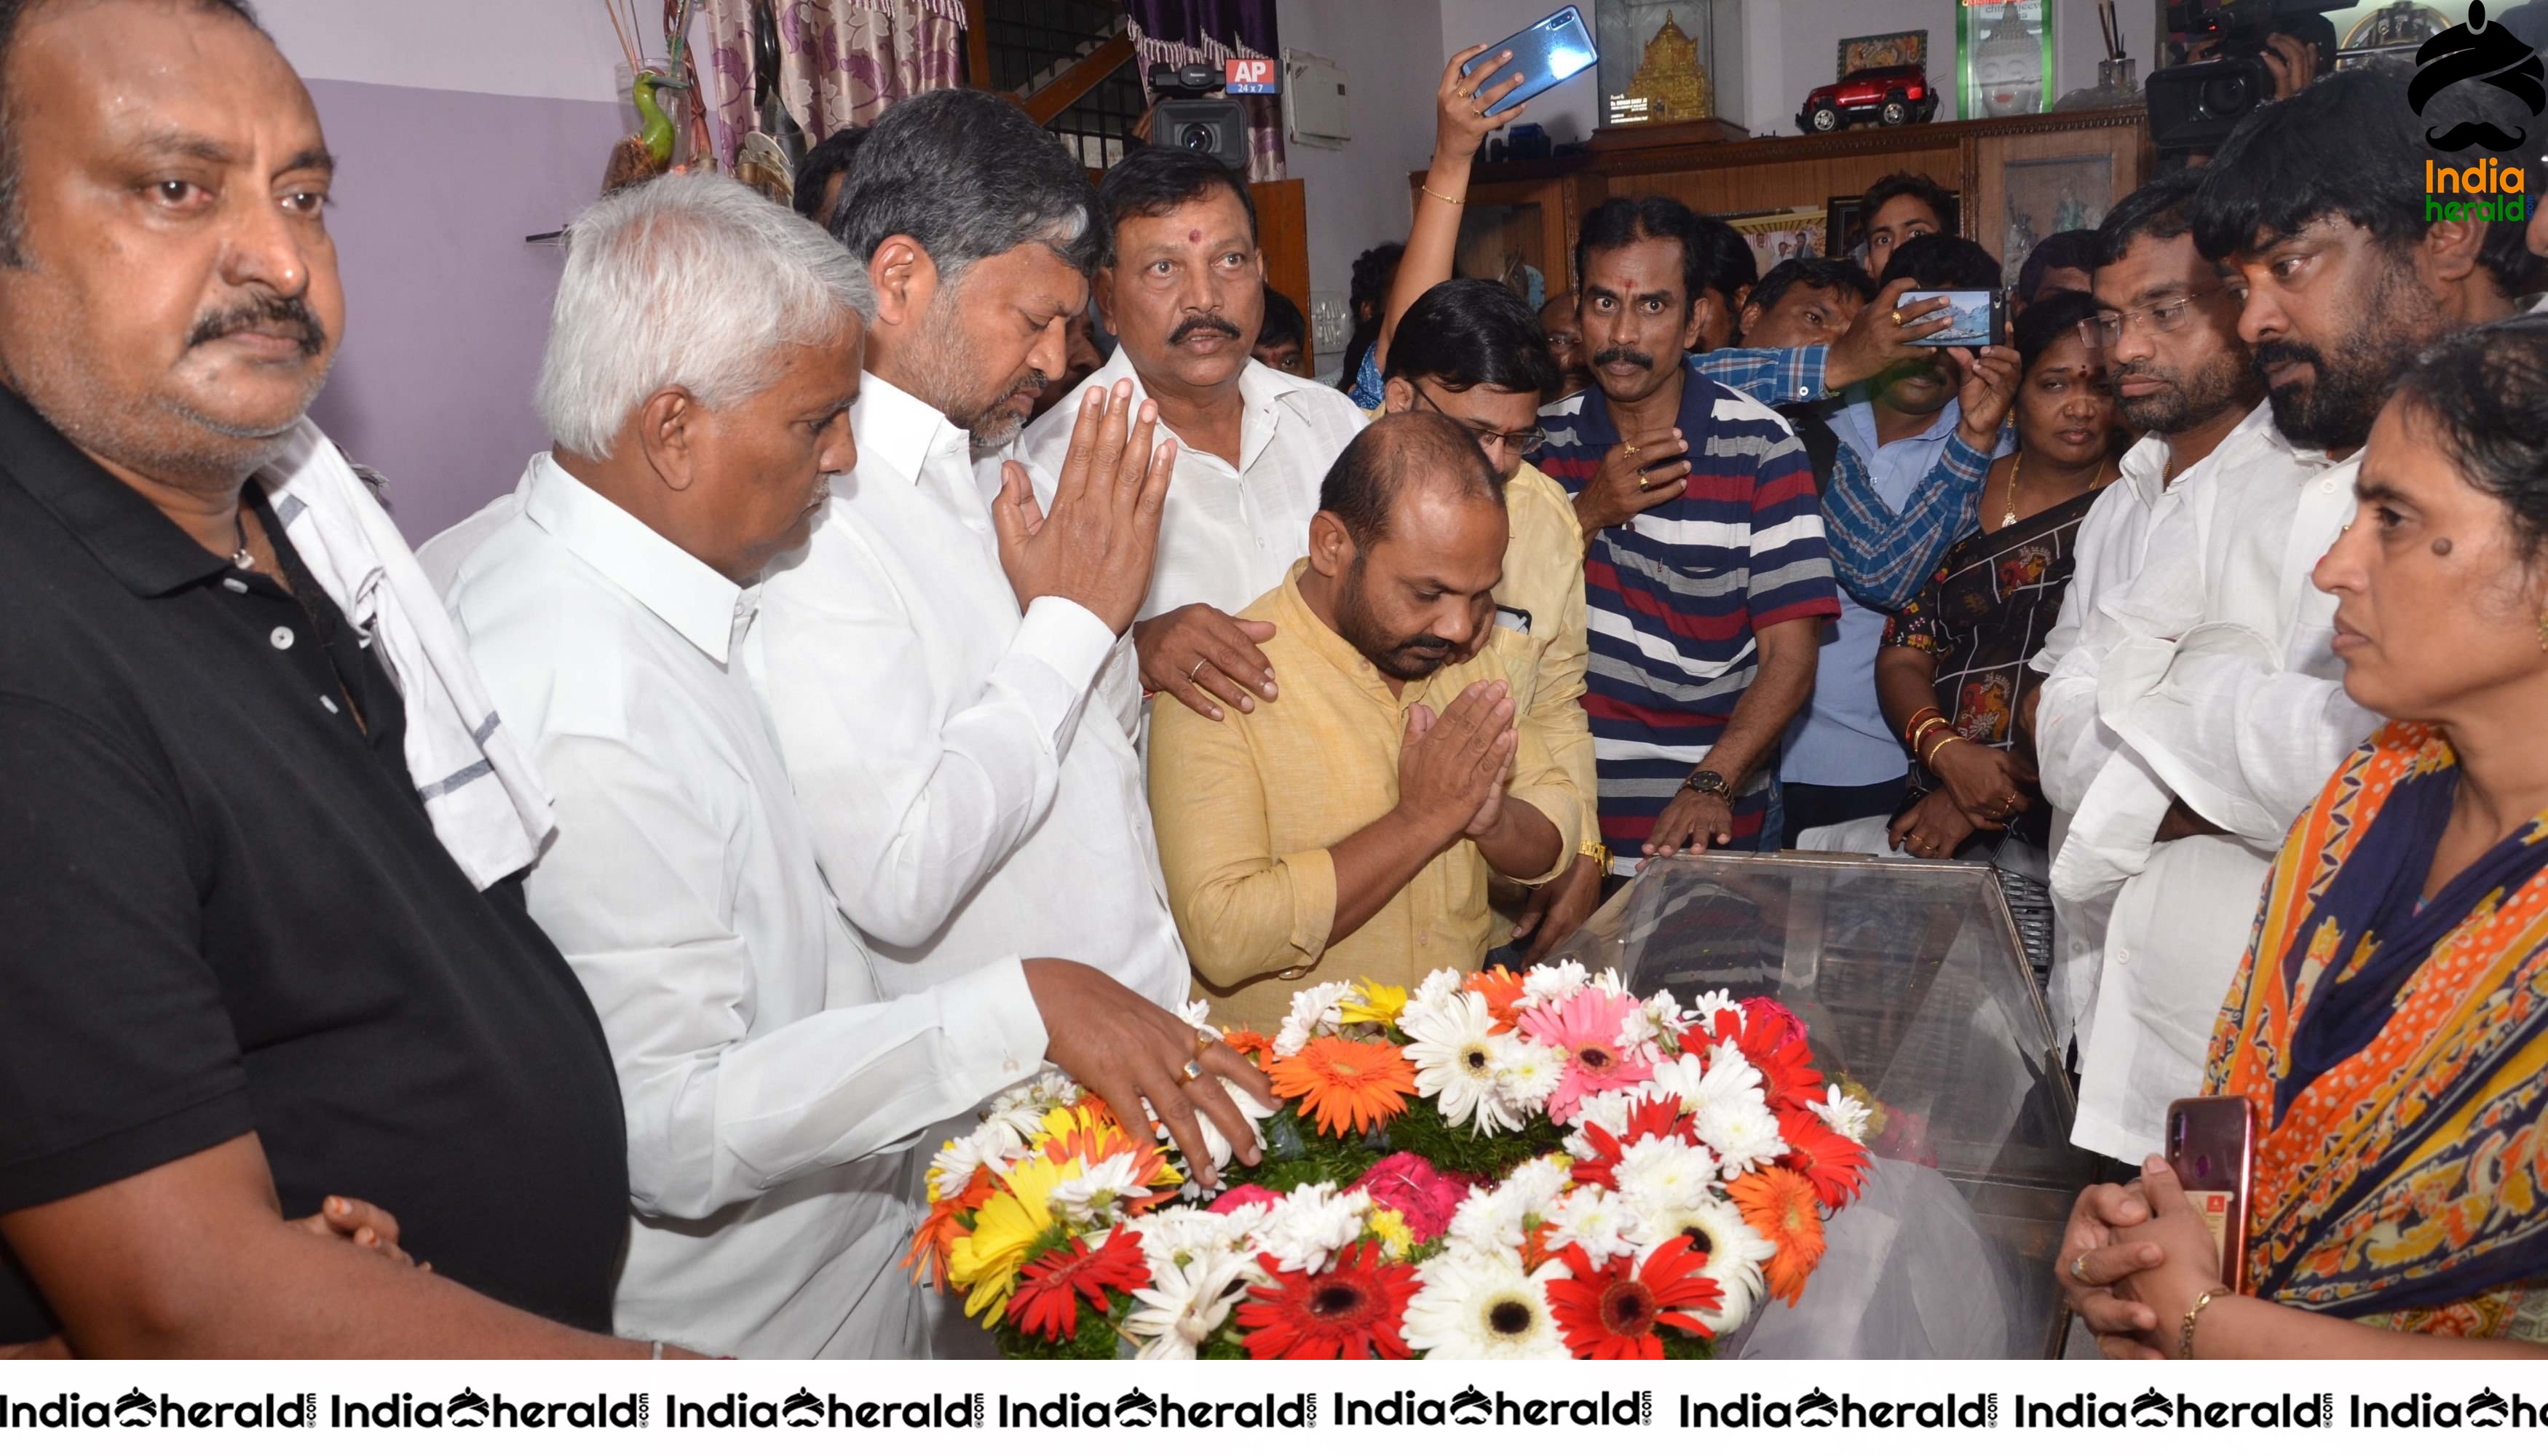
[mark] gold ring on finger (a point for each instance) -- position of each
(1193, 1069)
(1641, 479)
(1897, 318)
(1200, 664)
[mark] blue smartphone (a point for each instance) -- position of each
(1548, 52)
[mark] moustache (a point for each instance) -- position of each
(1203, 323)
(1426, 645)
(2485, 133)
(1622, 355)
(293, 315)
(1031, 384)
(2285, 351)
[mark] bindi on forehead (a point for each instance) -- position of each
(1194, 234)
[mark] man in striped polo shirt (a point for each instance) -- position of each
(1706, 583)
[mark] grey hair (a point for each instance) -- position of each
(968, 176)
(692, 281)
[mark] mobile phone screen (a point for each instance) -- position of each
(1557, 48)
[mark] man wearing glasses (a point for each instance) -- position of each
(1470, 351)
(2169, 330)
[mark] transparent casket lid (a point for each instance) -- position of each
(1912, 981)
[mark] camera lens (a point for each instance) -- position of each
(2230, 95)
(1196, 138)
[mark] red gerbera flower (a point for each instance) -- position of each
(1651, 1117)
(1354, 1311)
(1835, 1165)
(1786, 1060)
(1609, 1311)
(1046, 1304)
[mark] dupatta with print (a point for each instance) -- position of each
(2396, 1059)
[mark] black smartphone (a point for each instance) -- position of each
(1981, 313)
(2211, 1145)
(1550, 51)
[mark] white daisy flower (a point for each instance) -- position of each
(1184, 1304)
(1662, 1173)
(1543, 984)
(1527, 1072)
(1594, 1218)
(1098, 1192)
(1704, 1006)
(1434, 990)
(1484, 1309)
(1843, 1114)
(1306, 1228)
(1021, 1109)
(1454, 1046)
(1733, 1252)
(1677, 1077)
(1315, 1009)
(1740, 1130)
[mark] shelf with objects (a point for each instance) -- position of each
(2001, 169)
(1918, 999)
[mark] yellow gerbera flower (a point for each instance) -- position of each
(1396, 1241)
(1378, 1004)
(984, 1261)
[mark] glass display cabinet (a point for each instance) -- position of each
(1912, 980)
(1668, 60)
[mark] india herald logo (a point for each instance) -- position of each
(2478, 50)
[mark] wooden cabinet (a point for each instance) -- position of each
(1532, 209)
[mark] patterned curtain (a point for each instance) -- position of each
(842, 61)
(1181, 31)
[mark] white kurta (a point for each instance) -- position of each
(1228, 533)
(967, 799)
(771, 1088)
(2220, 688)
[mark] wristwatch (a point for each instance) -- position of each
(1708, 781)
(1599, 853)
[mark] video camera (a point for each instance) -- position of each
(2194, 107)
(1191, 114)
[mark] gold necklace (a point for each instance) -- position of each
(2016, 462)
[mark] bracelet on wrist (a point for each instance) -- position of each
(1938, 745)
(1436, 196)
(1921, 722)
(2185, 1331)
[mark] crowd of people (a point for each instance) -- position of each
(950, 634)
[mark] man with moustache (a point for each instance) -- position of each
(2169, 326)
(2221, 679)
(1705, 573)
(1184, 294)
(1347, 828)
(935, 660)
(771, 1085)
(266, 939)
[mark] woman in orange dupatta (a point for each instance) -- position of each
(2389, 1026)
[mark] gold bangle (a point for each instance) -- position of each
(1920, 734)
(1921, 722)
(1929, 761)
(2185, 1331)
(1430, 192)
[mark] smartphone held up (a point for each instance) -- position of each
(1555, 48)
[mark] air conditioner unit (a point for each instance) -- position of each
(1315, 112)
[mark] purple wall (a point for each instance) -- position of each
(446, 307)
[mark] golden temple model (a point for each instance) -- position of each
(1670, 84)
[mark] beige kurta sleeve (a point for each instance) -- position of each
(1243, 910)
(1542, 783)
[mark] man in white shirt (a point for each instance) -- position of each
(1184, 295)
(2220, 680)
(702, 364)
(941, 672)
(2182, 379)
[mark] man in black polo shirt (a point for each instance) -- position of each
(237, 969)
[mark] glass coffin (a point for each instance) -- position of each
(1668, 60)
(1915, 986)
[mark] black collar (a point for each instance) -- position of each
(129, 537)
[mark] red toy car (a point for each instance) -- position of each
(1889, 94)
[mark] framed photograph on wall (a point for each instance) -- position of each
(2045, 196)
(1781, 233)
(1865, 52)
(2004, 58)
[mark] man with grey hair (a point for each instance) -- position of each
(702, 363)
(938, 662)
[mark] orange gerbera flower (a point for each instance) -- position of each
(1345, 1084)
(1781, 1206)
(1092, 1136)
(1246, 1043)
(1501, 989)
(939, 1232)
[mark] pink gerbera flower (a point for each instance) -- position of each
(1586, 1027)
